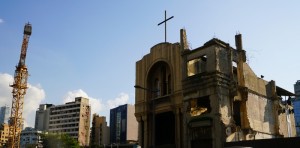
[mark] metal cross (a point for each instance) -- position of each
(165, 21)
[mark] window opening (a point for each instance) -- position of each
(200, 106)
(196, 66)
(237, 112)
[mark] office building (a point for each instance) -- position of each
(123, 125)
(4, 114)
(100, 131)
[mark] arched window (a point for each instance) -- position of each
(156, 88)
(169, 84)
(159, 79)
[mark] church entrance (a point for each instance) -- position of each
(165, 129)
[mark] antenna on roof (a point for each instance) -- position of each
(214, 35)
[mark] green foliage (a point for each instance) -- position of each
(59, 141)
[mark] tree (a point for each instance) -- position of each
(59, 140)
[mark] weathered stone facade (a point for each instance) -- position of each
(160, 73)
(207, 96)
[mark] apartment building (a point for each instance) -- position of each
(30, 137)
(4, 131)
(100, 131)
(72, 118)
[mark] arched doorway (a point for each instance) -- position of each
(162, 124)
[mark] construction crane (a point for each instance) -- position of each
(19, 90)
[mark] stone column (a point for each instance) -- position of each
(186, 140)
(139, 120)
(144, 118)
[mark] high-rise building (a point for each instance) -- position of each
(100, 131)
(123, 125)
(30, 137)
(296, 105)
(72, 118)
(42, 117)
(4, 114)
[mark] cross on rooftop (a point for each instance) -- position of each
(165, 21)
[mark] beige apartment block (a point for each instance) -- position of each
(72, 118)
(4, 131)
(204, 97)
(100, 131)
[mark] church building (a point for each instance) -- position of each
(205, 97)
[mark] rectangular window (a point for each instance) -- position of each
(123, 125)
(118, 126)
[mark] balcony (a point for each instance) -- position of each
(160, 100)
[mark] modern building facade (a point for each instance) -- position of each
(30, 137)
(4, 114)
(100, 135)
(123, 125)
(42, 117)
(4, 131)
(205, 97)
(296, 105)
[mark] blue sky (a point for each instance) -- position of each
(90, 48)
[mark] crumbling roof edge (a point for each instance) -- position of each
(213, 41)
(282, 92)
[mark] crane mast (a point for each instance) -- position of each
(19, 90)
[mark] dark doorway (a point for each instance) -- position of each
(165, 129)
(205, 143)
(201, 137)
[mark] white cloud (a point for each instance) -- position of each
(120, 100)
(32, 100)
(5, 89)
(35, 94)
(1, 21)
(97, 106)
(71, 95)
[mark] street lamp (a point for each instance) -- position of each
(153, 109)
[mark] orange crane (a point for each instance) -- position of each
(19, 90)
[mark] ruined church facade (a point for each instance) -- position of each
(206, 96)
